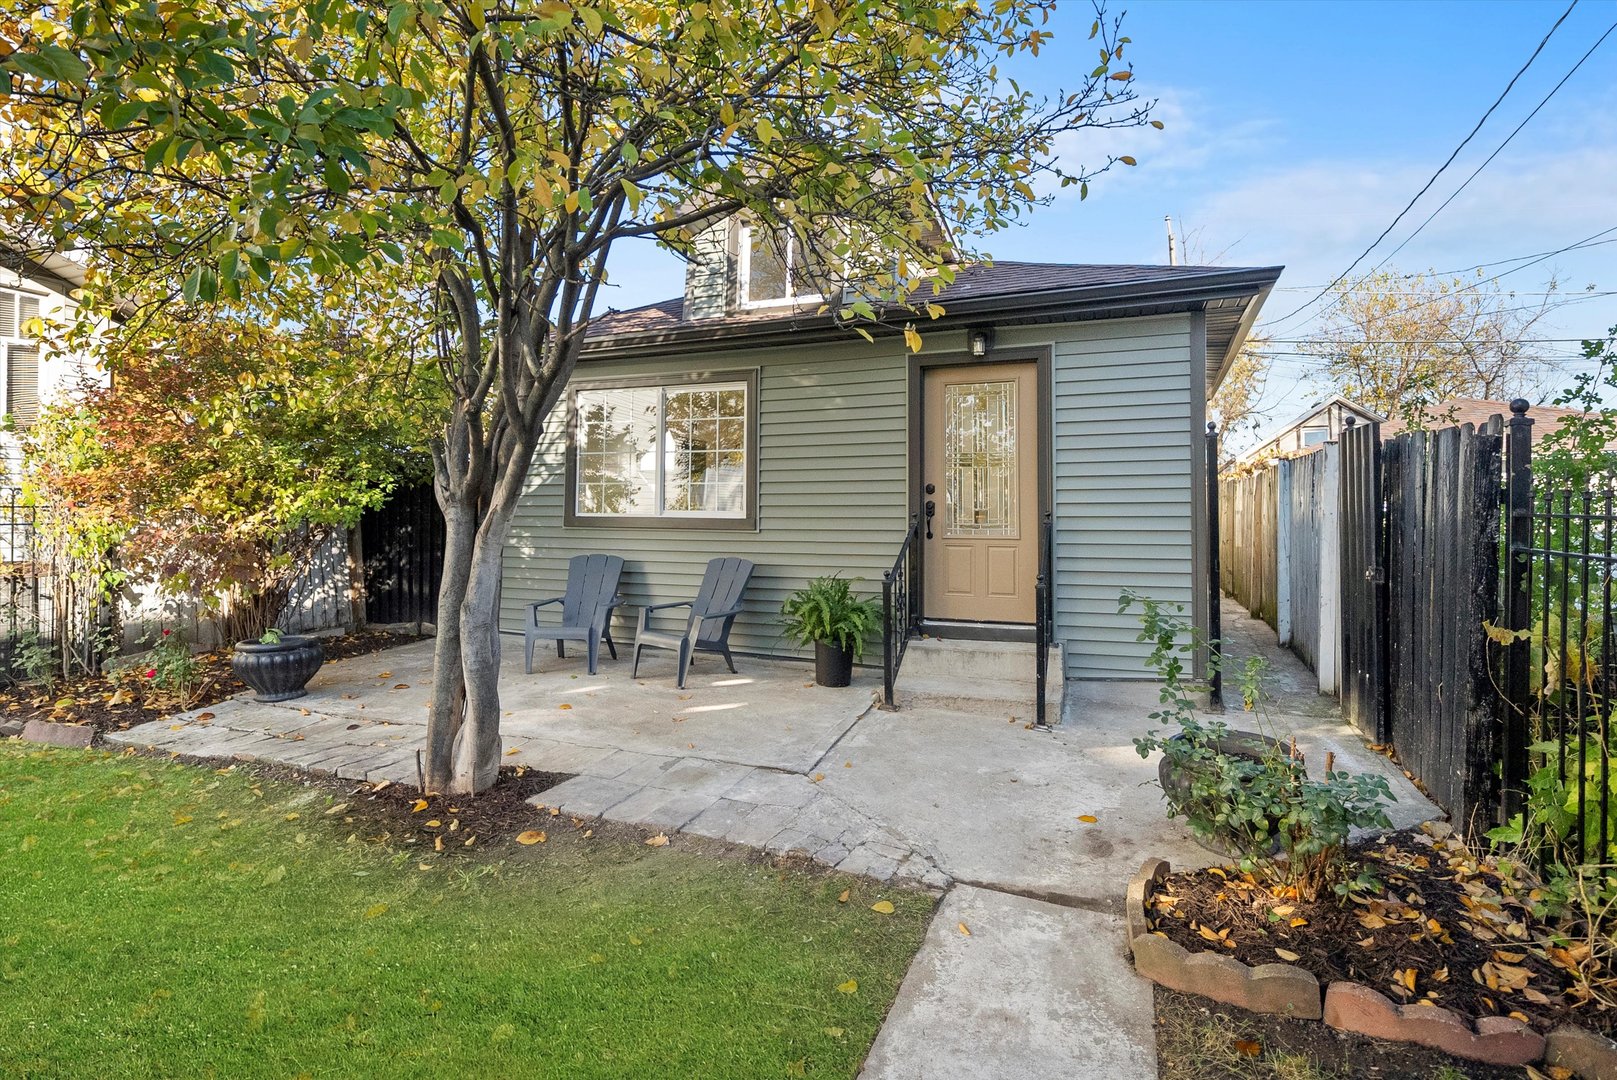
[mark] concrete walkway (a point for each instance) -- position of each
(1037, 983)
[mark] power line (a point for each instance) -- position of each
(1514, 132)
(1428, 186)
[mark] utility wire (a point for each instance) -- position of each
(1428, 186)
(1516, 131)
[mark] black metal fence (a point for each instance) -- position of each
(1558, 609)
(1044, 617)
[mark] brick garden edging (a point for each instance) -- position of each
(1288, 990)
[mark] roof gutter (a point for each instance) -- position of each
(1086, 302)
(1249, 318)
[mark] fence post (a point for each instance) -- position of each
(1518, 607)
(1215, 621)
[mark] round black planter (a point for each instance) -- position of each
(280, 671)
(833, 666)
(1249, 745)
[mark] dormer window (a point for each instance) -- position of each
(777, 269)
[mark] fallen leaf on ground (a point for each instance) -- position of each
(816, 778)
(1088, 819)
(375, 910)
(849, 987)
(843, 899)
(401, 686)
(660, 840)
(1287, 955)
(532, 836)
(564, 706)
(882, 907)
(511, 751)
(964, 929)
(1247, 1048)
(418, 806)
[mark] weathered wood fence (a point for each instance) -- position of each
(1248, 515)
(1417, 529)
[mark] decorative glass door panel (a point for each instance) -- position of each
(980, 458)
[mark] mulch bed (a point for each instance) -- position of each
(1446, 926)
(1199, 1039)
(123, 698)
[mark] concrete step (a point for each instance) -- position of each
(1004, 660)
(978, 677)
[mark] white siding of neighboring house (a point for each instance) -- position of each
(59, 373)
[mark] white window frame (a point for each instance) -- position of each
(661, 513)
(19, 339)
(744, 264)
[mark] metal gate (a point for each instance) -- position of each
(402, 545)
(1364, 583)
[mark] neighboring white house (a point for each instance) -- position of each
(1321, 424)
(33, 289)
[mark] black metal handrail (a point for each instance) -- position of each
(1043, 618)
(898, 612)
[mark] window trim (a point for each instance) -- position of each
(744, 275)
(685, 519)
(18, 339)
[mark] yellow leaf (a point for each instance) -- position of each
(660, 840)
(634, 940)
(437, 843)
(912, 338)
(849, 987)
(964, 929)
(1299, 921)
(564, 706)
(843, 899)
(374, 910)
(1128, 160)
(817, 778)
(1206, 934)
(1283, 909)
(1247, 1048)
(182, 819)
(1088, 819)
(420, 805)
(532, 836)
(434, 823)
(401, 686)
(1287, 955)
(511, 751)
(882, 907)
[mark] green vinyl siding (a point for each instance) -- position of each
(832, 438)
(1122, 490)
(833, 428)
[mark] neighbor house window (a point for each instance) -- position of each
(777, 268)
(21, 355)
(662, 452)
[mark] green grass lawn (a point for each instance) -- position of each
(167, 920)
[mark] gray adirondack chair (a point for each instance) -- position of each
(707, 627)
(586, 610)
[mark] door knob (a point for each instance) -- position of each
(931, 508)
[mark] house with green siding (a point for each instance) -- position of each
(742, 420)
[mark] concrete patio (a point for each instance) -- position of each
(970, 801)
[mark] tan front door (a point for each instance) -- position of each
(980, 436)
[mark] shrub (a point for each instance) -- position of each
(827, 610)
(1286, 827)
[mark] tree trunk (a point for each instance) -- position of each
(448, 685)
(477, 744)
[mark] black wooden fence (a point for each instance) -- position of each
(402, 546)
(1442, 536)
(1364, 583)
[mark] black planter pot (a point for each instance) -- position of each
(280, 671)
(833, 665)
(1249, 745)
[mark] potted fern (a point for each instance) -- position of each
(827, 614)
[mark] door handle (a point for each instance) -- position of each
(931, 508)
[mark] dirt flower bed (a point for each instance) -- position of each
(133, 693)
(1445, 927)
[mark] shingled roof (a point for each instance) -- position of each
(1002, 293)
(1547, 419)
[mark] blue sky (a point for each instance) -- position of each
(1295, 133)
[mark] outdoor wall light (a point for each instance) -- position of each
(980, 341)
